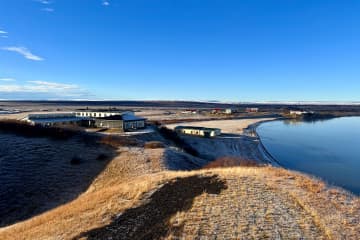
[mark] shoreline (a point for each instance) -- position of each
(275, 163)
(239, 138)
(261, 147)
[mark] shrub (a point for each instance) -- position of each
(154, 144)
(102, 157)
(25, 129)
(174, 137)
(229, 161)
(120, 141)
(75, 160)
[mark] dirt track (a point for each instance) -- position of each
(232, 142)
(227, 126)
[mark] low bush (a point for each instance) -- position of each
(120, 141)
(75, 160)
(174, 137)
(102, 157)
(229, 161)
(28, 130)
(154, 144)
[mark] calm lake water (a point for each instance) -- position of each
(328, 149)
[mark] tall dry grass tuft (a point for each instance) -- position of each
(154, 145)
(230, 161)
(120, 141)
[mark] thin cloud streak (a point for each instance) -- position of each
(43, 2)
(3, 34)
(24, 52)
(7, 79)
(46, 3)
(48, 9)
(45, 89)
(106, 3)
(43, 85)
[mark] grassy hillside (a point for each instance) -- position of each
(134, 195)
(38, 174)
(239, 202)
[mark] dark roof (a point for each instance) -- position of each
(115, 117)
(197, 128)
(55, 120)
(124, 117)
(131, 117)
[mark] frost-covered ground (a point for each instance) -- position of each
(231, 143)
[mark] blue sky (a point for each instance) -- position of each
(227, 50)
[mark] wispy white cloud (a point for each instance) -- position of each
(7, 79)
(105, 3)
(23, 51)
(48, 9)
(3, 34)
(11, 88)
(43, 89)
(49, 86)
(46, 2)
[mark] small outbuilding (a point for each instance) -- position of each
(252, 109)
(198, 131)
(228, 111)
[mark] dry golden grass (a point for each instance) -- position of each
(230, 161)
(154, 144)
(249, 203)
(119, 141)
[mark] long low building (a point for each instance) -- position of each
(54, 119)
(101, 114)
(125, 121)
(198, 131)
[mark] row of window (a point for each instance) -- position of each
(93, 114)
(194, 132)
(137, 124)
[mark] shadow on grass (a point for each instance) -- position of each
(38, 174)
(152, 220)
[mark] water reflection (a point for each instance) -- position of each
(325, 148)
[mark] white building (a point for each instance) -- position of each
(198, 131)
(99, 114)
(228, 111)
(297, 112)
(51, 119)
(125, 121)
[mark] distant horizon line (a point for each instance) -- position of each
(195, 101)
